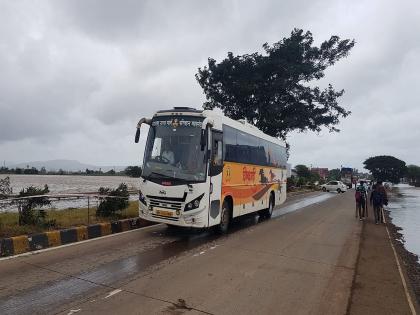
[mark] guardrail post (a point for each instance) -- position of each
(88, 211)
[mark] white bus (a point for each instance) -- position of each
(202, 169)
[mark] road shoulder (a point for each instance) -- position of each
(377, 286)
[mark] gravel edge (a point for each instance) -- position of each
(409, 261)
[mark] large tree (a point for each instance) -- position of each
(386, 168)
(413, 174)
(276, 90)
(303, 171)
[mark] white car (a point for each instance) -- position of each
(334, 185)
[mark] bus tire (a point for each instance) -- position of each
(267, 213)
(225, 217)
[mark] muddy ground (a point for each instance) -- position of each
(409, 260)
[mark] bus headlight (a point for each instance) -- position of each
(193, 204)
(142, 199)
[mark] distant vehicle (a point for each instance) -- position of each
(346, 176)
(203, 169)
(334, 185)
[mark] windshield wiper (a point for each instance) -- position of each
(160, 174)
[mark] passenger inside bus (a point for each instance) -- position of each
(168, 153)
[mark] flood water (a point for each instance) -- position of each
(405, 212)
(69, 184)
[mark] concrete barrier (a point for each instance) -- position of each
(7, 247)
(105, 228)
(94, 230)
(82, 233)
(20, 244)
(54, 238)
(38, 241)
(24, 243)
(68, 236)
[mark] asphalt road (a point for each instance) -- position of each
(302, 261)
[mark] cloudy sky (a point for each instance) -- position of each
(75, 76)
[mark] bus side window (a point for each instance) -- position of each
(217, 153)
(216, 165)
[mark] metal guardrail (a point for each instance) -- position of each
(14, 199)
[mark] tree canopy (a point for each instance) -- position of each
(26, 207)
(386, 168)
(116, 201)
(275, 90)
(133, 171)
(413, 174)
(303, 171)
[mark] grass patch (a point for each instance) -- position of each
(9, 221)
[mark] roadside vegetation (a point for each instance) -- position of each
(9, 221)
(33, 217)
(307, 180)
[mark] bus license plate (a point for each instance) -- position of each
(164, 213)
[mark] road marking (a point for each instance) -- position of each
(113, 293)
(74, 311)
(407, 294)
(35, 252)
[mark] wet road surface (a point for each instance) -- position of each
(116, 275)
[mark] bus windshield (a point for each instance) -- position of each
(173, 152)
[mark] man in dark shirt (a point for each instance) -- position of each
(376, 200)
(360, 196)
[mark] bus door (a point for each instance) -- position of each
(215, 172)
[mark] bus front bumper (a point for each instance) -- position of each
(195, 218)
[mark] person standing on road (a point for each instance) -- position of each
(360, 196)
(376, 201)
(381, 189)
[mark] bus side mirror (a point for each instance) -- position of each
(141, 121)
(203, 139)
(137, 137)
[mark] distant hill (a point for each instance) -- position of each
(66, 165)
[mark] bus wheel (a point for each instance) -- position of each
(224, 218)
(270, 206)
(267, 213)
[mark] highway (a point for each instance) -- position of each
(301, 261)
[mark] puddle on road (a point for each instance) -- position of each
(49, 297)
(302, 204)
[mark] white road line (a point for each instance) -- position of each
(113, 293)
(407, 294)
(74, 311)
(78, 243)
